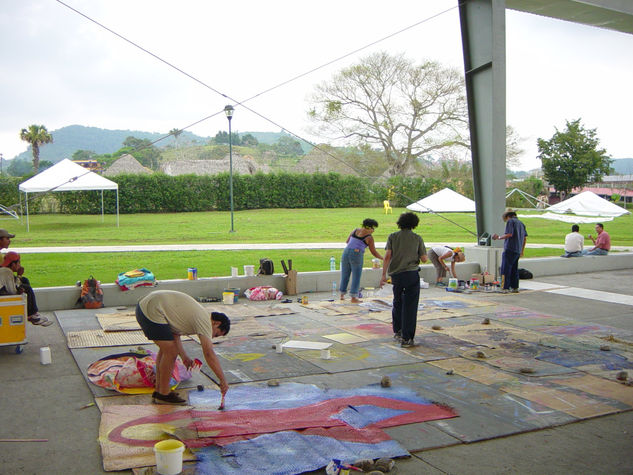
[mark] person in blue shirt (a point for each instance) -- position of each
(515, 237)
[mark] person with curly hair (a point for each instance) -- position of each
(404, 252)
(353, 255)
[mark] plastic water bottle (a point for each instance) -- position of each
(333, 289)
(332, 263)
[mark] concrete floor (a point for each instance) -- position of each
(40, 401)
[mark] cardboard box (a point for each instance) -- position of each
(484, 278)
(291, 282)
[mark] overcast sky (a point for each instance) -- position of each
(60, 69)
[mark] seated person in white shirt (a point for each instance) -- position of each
(574, 242)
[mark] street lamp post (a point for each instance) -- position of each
(228, 110)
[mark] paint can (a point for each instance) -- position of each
(192, 273)
(474, 284)
(228, 298)
(45, 355)
(452, 283)
(235, 291)
(168, 455)
(304, 300)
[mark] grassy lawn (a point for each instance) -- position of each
(256, 226)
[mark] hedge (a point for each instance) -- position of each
(159, 193)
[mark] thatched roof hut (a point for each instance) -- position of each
(318, 161)
(126, 164)
(241, 165)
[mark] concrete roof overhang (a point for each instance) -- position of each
(610, 14)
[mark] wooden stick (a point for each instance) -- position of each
(23, 440)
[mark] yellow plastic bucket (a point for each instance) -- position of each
(169, 456)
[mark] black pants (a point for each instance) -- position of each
(406, 295)
(510, 269)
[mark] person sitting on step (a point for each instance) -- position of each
(13, 282)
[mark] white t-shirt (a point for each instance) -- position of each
(441, 250)
(184, 315)
(574, 242)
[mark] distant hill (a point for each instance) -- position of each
(623, 166)
(69, 139)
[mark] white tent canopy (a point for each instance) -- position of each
(588, 203)
(68, 176)
(445, 201)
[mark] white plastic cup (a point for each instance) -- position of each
(45, 355)
(168, 455)
(233, 271)
(249, 270)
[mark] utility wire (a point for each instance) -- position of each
(242, 103)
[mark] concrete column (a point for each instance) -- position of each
(483, 42)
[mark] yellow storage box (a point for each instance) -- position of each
(13, 320)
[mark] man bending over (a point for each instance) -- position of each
(165, 315)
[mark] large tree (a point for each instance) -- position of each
(571, 158)
(36, 135)
(513, 147)
(408, 110)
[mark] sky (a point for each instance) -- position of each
(60, 69)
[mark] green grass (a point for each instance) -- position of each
(255, 226)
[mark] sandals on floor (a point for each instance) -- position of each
(39, 320)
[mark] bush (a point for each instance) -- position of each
(10, 195)
(159, 193)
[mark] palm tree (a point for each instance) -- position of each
(36, 135)
(176, 133)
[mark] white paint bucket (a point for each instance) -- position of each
(249, 270)
(228, 298)
(236, 293)
(169, 456)
(45, 355)
(452, 283)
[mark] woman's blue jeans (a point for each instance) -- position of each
(351, 263)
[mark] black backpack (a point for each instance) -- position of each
(266, 267)
(525, 274)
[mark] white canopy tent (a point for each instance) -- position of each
(444, 201)
(68, 176)
(588, 203)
